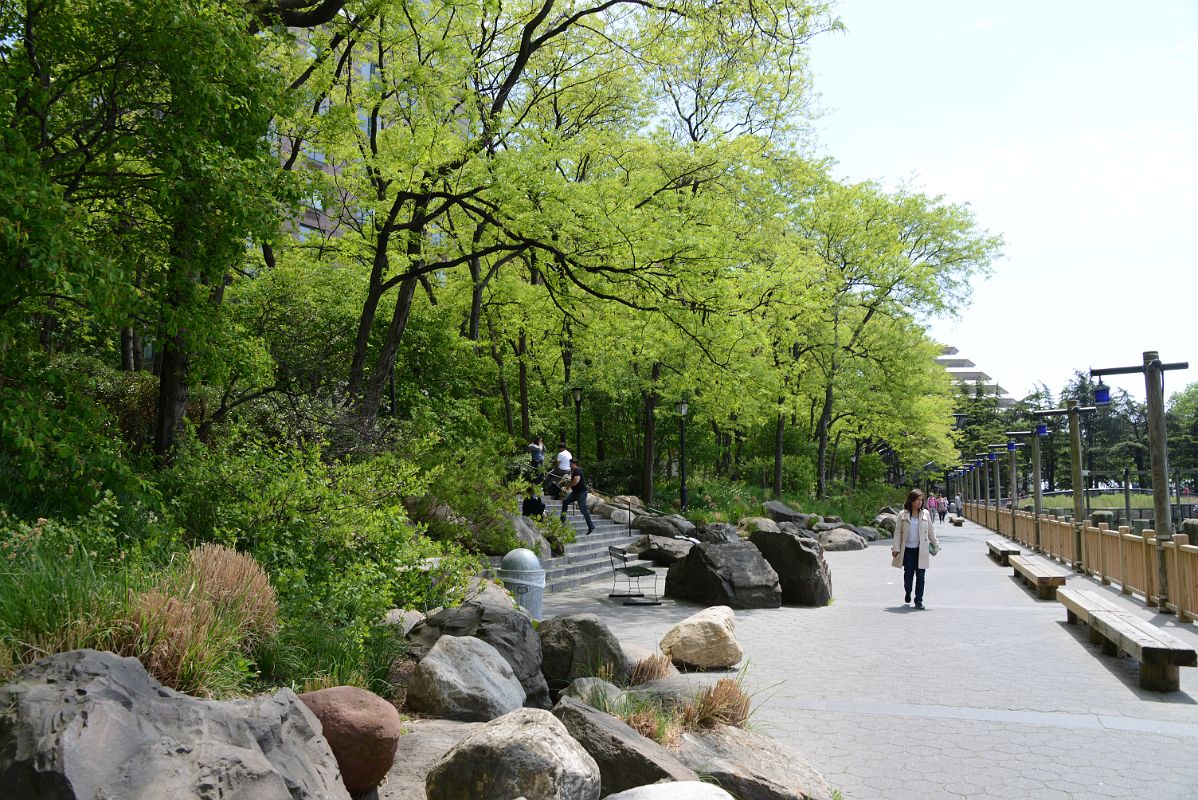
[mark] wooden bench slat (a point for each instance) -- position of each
(1046, 578)
(1143, 641)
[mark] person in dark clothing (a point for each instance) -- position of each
(578, 492)
(536, 451)
(532, 506)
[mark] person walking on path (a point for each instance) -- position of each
(578, 492)
(942, 506)
(561, 468)
(536, 451)
(915, 536)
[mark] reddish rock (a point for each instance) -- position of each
(361, 728)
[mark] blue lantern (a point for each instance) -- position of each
(992, 457)
(1102, 394)
(1042, 429)
(1011, 447)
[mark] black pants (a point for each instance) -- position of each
(581, 497)
(942, 513)
(911, 570)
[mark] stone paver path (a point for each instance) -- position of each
(987, 693)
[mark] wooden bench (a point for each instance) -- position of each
(1118, 631)
(957, 521)
(1001, 550)
(1044, 577)
(631, 575)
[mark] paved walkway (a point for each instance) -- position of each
(985, 694)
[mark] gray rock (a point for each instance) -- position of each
(578, 646)
(734, 575)
(814, 520)
(750, 524)
(620, 516)
(680, 790)
(497, 623)
(85, 724)
(599, 508)
(487, 592)
(466, 679)
(626, 759)
(675, 690)
(597, 693)
(704, 640)
(661, 551)
(886, 522)
(525, 753)
(424, 742)
(656, 526)
(832, 518)
(751, 766)
(841, 539)
(797, 530)
(820, 527)
(802, 570)
(868, 534)
(716, 533)
(628, 501)
(684, 525)
(780, 512)
(405, 619)
(887, 510)
(529, 535)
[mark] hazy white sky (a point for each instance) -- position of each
(1070, 127)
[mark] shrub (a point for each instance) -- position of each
(725, 703)
(236, 587)
(649, 668)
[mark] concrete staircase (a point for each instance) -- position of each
(586, 558)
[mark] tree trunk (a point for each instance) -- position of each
(649, 432)
(779, 431)
(127, 350)
(173, 393)
(825, 419)
(522, 367)
(856, 465)
(372, 394)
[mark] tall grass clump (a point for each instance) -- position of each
(650, 668)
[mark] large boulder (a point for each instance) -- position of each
(598, 508)
(628, 501)
(626, 759)
(579, 646)
(888, 510)
(802, 570)
(498, 623)
(751, 766)
(487, 592)
(362, 729)
(725, 575)
(841, 539)
(621, 516)
(527, 753)
(679, 790)
(751, 524)
(529, 535)
(706, 640)
(668, 527)
(466, 679)
(780, 512)
(661, 551)
(829, 525)
(867, 533)
(84, 724)
(596, 692)
(424, 742)
(798, 530)
(886, 522)
(716, 533)
(405, 619)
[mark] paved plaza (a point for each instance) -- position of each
(987, 693)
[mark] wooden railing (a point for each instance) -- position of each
(1113, 556)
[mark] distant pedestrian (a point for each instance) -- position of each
(561, 468)
(532, 506)
(942, 506)
(578, 492)
(915, 537)
(957, 502)
(536, 451)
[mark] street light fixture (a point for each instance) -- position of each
(1154, 386)
(1037, 489)
(681, 408)
(577, 392)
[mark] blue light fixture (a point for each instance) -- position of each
(992, 457)
(1042, 429)
(1011, 446)
(1102, 394)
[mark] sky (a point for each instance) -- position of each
(1071, 129)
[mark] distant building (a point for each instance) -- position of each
(965, 373)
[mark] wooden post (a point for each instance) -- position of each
(1037, 503)
(997, 493)
(1155, 400)
(1075, 462)
(1123, 587)
(1014, 491)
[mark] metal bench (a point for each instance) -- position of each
(1001, 550)
(1045, 578)
(632, 574)
(1118, 631)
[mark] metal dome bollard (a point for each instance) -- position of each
(522, 575)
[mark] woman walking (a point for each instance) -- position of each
(915, 537)
(942, 506)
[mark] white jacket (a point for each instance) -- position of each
(927, 534)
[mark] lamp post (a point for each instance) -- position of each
(1037, 490)
(984, 469)
(1154, 389)
(1013, 449)
(997, 467)
(1074, 413)
(577, 392)
(682, 495)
